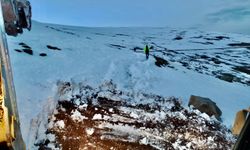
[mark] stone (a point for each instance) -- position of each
(205, 105)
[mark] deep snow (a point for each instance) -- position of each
(94, 55)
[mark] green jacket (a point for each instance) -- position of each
(145, 49)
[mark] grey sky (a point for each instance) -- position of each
(217, 15)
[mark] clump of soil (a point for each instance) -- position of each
(107, 118)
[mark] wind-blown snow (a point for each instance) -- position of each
(93, 55)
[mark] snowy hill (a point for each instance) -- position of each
(182, 63)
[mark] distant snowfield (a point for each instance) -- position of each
(95, 55)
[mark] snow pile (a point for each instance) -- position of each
(129, 120)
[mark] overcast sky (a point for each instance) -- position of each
(214, 15)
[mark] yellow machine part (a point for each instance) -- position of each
(7, 129)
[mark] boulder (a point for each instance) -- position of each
(205, 105)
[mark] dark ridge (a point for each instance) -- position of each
(53, 47)
(204, 43)
(137, 48)
(217, 38)
(28, 51)
(63, 31)
(99, 34)
(197, 37)
(122, 34)
(117, 46)
(239, 44)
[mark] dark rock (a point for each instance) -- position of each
(18, 50)
(222, 37)
(26, 46)
(160, 62)
(22, 44)
(216, 60)
(53, 47)
(205, 105)
(204, 57)
(244, 69)
(43, 54)
(184, 64)
(217, 38)
(227, 77)
(178, 38)
(28, 51)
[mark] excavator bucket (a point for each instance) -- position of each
(243, 141)
(239, 122)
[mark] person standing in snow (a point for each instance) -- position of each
(146, 50)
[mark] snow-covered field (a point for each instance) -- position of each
(192, 62)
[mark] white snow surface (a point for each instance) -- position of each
(87, 56)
